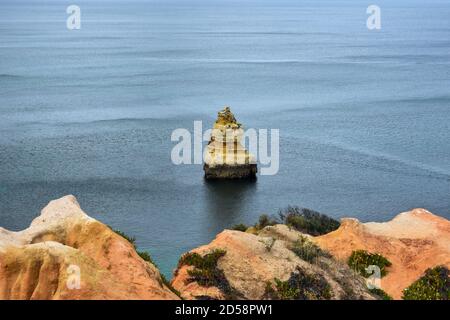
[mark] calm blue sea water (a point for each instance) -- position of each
(364, 116)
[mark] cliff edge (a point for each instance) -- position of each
(278, 263)
(413, 241)
(65, 254)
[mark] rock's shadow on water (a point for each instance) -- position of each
(226, 199)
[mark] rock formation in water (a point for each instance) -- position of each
(413, 241)
(226, 157)
(65, 254)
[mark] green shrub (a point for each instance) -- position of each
(306, 250)
(205, 271)
(284, 291)
(207, 277)
(299, 286)
(359, 260)
(265, 221)
(308, 221)
(131, 240)
(240, 227)
(380, 293)
(145, 256)
(169, 285)
(301, 219)
(433, 285)
(208, 261)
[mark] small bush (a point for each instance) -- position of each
(265, 221)
(240, 227)
(308, 221)
(299, 286)
(433, 285)
(145, 256)
(284, 291)
(380, 293)
(205, 271)
(130, 239)
(306, 250)
(359, 260)
(208, 261)
(301, 219)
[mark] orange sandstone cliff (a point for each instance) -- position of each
(65, 254)
(251, 262)
(413, 241)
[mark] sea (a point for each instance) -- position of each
(363, 114)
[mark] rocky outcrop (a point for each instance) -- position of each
(225, 156)
(413, 241)
(65, 254)
(252, 263)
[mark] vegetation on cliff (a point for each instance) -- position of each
(359, 260)
(299, 286)
(205, 271)
(308, 221)
(263, 221)
(234, 265)
(130, 239)
(306, 250)
(301, 219)
(433, 285)
(380, 293)
(240, 227)
(146, 257)
(143, 254)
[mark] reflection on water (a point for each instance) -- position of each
(225, 199)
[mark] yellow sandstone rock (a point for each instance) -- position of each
(226, 157)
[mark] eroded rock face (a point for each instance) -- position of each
(413, 241)
(42, 261)
(252, 261)
(225, 156)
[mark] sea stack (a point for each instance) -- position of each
(226, 157)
